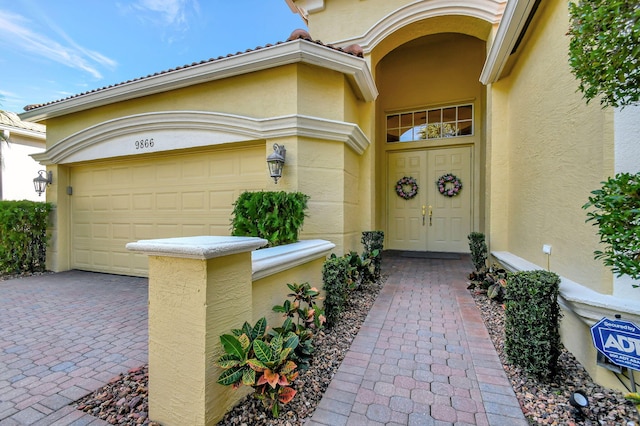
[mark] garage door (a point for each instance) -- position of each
(173, 195)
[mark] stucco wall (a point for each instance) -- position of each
(627, 139)
(346, 21)
(272, 290)
(267, 93)
(548, 150)
(320, 162)
(627, 154)
(19, 169)
(558, 150)
(347, 18)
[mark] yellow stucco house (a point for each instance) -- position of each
(479, 89)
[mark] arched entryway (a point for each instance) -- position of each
(430, 124)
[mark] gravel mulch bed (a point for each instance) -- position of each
(124, 400)
(548, 403)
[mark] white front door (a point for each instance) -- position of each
(430, 221)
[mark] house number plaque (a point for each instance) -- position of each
(144, 143)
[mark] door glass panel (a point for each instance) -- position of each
(464, 112)
(465, 128)
(407, 134)
(449, 114)
(393, 135)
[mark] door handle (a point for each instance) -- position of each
(424, 212)
(430, 215)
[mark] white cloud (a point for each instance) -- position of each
(16, 34)
(164, 12)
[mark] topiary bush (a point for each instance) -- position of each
(532, 321)
(336, 277)
(275, 216)
(23, 236)
(478, 249)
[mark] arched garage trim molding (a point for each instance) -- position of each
(188, 129)
(486, 10)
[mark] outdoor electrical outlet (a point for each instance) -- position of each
(546, 248)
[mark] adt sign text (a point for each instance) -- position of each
(619, 341)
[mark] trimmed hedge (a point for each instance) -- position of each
(336, 277)
(23, 236)
(373, 243)
(478, 249)
(532, 321)
(275, 216)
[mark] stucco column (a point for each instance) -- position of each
(199, 289)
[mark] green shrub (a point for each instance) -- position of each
(373, 243)
(532, 321)
(335, 276)
(23, 236)
(495, 281)
(308, 316)
(603, 50)
(478, 249)
(616, 213)
(275, 216)
(263, 361)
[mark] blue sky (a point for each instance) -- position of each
(51, 49)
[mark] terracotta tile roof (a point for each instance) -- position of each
(11, 120)
(298, 34)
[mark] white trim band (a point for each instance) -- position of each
(272, 260)
(588, 304)
(203, 247)
(172, 130)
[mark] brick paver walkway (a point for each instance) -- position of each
(422, 357)
(63, 336)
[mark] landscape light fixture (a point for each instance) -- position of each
(578, 401)
(43, 179)
(275, 161)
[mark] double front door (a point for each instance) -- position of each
(429, 221)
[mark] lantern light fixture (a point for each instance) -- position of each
(276, 160)
(41, 181)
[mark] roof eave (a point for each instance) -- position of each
(33, 134)
(514, 21)
(291, 52)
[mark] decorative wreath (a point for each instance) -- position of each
(407, 181)
(449, 191)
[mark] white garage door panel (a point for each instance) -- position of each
(114, 203)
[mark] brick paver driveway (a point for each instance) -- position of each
(63, 336)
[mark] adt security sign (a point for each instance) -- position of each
(619, 341)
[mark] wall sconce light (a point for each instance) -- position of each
(43, 179)
(578, 401)
(275, 161)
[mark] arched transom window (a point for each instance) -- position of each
(432, 123)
